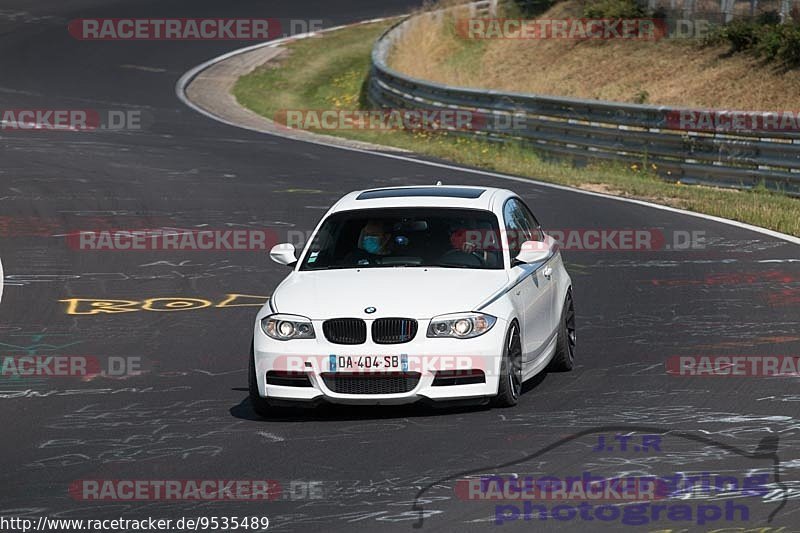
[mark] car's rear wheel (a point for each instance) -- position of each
(260, 405)
(564, 358)
(510, 387)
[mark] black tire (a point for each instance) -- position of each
(564, 358)
(260, 405)
(510, 386)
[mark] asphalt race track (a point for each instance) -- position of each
(341, 469)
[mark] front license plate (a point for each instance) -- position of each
(361, 363)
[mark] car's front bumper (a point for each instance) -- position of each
(427, 356)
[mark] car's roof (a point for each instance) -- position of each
(438, 195)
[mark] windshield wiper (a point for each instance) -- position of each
(447, 265)
(408, 264)
(328, 267)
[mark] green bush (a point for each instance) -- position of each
(530, 8)
(781, 43)
(614, 9)
(715, 36)
(741, 34)
(768, 18)
(769, 43)
(789, 51)
(641, 97)
(763, 37)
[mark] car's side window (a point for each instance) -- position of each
(536, 229)
(518, 227)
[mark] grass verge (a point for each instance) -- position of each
(329, 72)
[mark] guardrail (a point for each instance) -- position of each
(583, 130)
(486, 8)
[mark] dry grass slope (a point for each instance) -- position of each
(665, 72)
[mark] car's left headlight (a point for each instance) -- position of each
(460, 325)
(287, 327)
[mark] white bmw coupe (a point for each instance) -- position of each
(415, 293)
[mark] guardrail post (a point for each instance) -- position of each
(726, 6)
(688, 9)
(785, 8)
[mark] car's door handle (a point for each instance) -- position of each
(548, 272)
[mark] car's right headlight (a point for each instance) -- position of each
(287, 327)
(460, 325)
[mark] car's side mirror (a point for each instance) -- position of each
(284, 253)
(535, 251)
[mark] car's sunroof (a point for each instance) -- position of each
(450, 192)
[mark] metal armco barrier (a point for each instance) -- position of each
(580, 129)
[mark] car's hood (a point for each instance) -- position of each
(419, 293)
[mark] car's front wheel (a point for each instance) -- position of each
(260, 405)
(510, 387)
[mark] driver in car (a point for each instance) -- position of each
(374, 241)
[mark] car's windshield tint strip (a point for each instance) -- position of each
(449, 192)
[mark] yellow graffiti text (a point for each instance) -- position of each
(91, 306)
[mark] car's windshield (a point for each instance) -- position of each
(406, 237)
